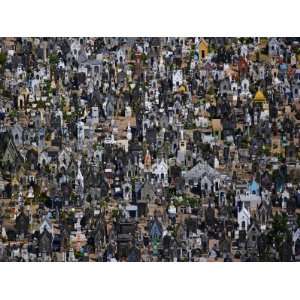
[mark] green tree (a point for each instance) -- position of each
(279, 228)
(298, 220)
(115, 213)
(279, 235)
(2, 58)
(53, 61)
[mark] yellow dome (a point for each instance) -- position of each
(182, 89)
(259, 97)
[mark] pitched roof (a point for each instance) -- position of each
(200, 170)
(259, 97)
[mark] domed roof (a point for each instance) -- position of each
(182, 88)
(259, 96)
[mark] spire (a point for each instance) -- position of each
(129, 133)
(79, 177)
(147, 160)
(181, 135)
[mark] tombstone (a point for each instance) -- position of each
(95, 115)
(80, 134)
(128, 112)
